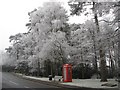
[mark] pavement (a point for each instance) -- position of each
(93, 84)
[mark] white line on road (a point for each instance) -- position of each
(26, 87)
(29, 88)
(13, 82)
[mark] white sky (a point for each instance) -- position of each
(14, 16)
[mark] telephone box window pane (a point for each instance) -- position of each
(69, 73)
(64, 73)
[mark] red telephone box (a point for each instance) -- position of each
(67, 73)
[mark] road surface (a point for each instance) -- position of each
(11, 81)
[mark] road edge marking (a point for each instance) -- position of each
(26, 87)
(14, 83)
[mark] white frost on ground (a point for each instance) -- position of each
(92, 83)
(37, 78)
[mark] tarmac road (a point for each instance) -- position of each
(9, 81)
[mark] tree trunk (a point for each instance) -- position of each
(119, 58)
(17, 56)
(103, 68)
(51, 68)
(95, 57)
(112, 66)
(82, 64)
(101, 50)
(38, 67)
(56, 68)
(118, 46)
(111, 62)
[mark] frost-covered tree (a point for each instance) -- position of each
(95, 9)
(48, 32)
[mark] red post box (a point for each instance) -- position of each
(67, 73)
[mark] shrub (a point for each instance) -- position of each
(82, 71)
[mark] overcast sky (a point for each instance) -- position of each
(14, 16)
